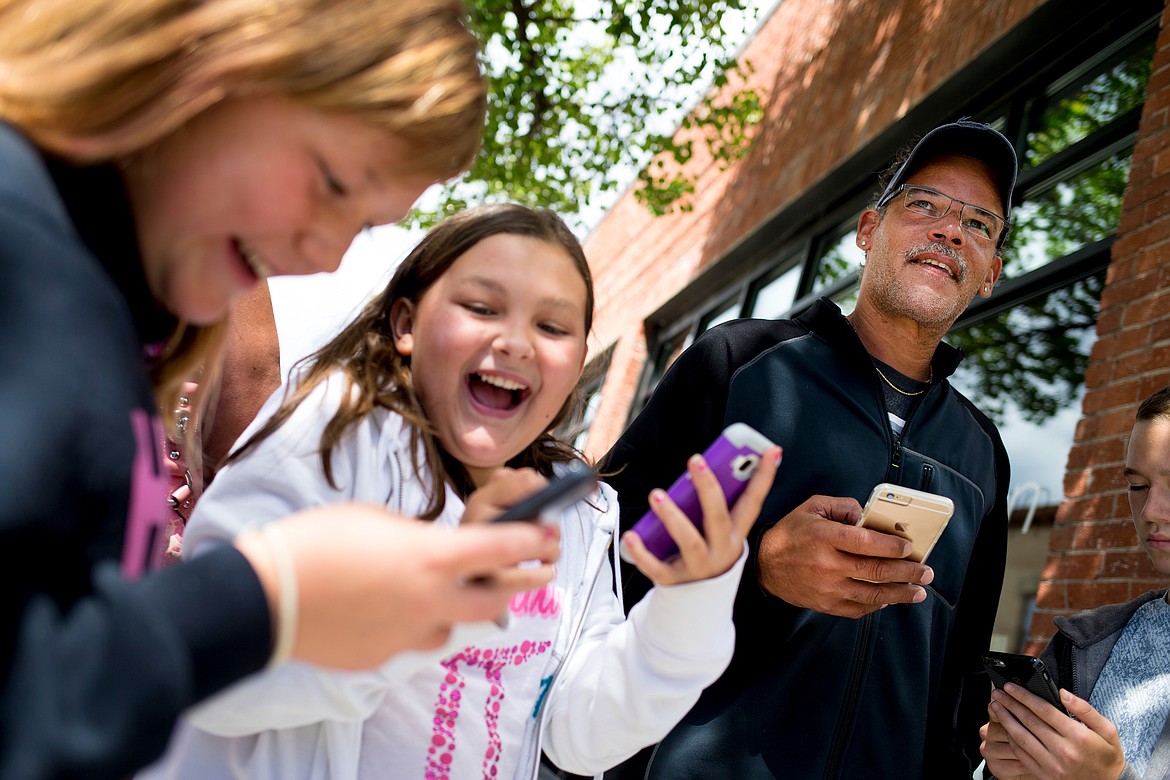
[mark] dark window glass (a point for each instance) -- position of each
(1076, 112)
(839, 255)
(1077, 211)
(575, 428)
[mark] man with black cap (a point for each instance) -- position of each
(852, 661)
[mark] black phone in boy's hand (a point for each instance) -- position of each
(1027, 671)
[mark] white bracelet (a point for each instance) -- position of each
(286, 573)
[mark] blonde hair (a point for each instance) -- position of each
(93, 80)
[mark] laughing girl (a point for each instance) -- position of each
(443, 395)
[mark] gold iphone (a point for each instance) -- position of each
(914, 515)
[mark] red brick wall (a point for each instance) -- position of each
(835, 73)
(1095, 558)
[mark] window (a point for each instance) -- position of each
(723, 312)
(668, 349)
(775, 292)
(839, 261)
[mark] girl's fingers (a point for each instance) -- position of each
(747, 508)
(505, 488)
(1021, 725)
(515, 580)
(1087, 715)
(1033, 711)
(486, 549)
(684, 532)
(655, 570)
(715, 549)
(712, 501)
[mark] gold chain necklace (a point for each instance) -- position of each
(897, 389)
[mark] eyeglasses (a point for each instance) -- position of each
(981, 223)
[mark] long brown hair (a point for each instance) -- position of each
(95, 81)
(376, 375)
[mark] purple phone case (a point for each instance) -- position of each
(733, 458)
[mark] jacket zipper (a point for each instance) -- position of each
(854, 684)
(573, 642)
(1069, 663)
(854, 688)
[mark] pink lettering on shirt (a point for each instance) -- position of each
(441, 752)
(146, 521)
(544, 602)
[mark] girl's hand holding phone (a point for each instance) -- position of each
(709, 553)
(504, 488)
(405, 583)
(1028, 737)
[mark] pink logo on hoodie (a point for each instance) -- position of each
(146, 521)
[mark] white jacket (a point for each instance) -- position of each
(621, 685)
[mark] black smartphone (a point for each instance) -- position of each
(577, 482)
(1027, 671)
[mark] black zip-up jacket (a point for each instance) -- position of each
(898, 694)
(94, 668)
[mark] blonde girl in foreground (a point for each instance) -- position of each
(159, 157)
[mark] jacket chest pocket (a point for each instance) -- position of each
(951, 555)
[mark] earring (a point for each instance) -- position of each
(863, 243)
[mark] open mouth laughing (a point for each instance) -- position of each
(497, 392)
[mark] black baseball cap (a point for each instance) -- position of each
(970, 139)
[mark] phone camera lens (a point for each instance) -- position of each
(743, 466)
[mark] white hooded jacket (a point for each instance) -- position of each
(621, 683)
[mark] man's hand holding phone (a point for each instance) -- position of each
(818, 557)
(715, 549)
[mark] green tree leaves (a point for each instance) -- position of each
(584, 94)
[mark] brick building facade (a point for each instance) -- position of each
(1094, 556)
(1083, 88)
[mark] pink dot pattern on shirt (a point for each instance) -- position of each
(441, 753)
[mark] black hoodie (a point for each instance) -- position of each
(95, 666)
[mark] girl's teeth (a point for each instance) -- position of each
(497, 381)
